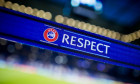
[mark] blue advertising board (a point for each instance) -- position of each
(46, 34)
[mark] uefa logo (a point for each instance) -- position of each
(50, 35)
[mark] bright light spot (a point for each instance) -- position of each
(88, 2)
(92, 2)
(84, 1)
(75, 3)
(98, 6)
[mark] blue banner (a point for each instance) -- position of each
(46, 34)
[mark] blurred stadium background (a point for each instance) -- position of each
(117, 19)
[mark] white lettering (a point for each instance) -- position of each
(65, 38)
(72, 40)
(92, 45)
(87, 42)
(106, 48)
(79, 40)
(98, 47)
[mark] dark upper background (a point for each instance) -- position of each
(119, 15)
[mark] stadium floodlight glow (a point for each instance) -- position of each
(47, 15)
(15, 6)
(79, 25)
(138, 34)
(22, 7)
(59, 19)
(8, 4)
(40, 13)
(28, 10)
(114, 35)
(88, 2)
(94, 29)
(76, 23)
(98, 6)
(2, 2)
(104, 33)
(75, 3)
(118, 36)
(100, 30)
(89, 27)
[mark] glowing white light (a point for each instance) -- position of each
(84, 1)
(98, 6)
(75, 3)
(88, 2)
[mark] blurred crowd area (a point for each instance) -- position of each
(59, 65)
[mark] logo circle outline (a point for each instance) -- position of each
(45, 34)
